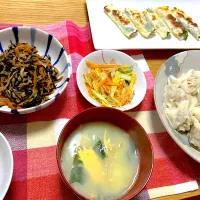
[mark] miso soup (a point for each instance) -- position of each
(100, 161)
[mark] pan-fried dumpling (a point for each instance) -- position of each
(139, 21)
(172, 22)
(187, 22)
(157, 23)
(121, 20)
(194, 134)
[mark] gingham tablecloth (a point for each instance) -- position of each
(33, 137)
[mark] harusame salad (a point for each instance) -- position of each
(26, 78)
(112, 85)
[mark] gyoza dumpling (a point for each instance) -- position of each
(172, 22)
(174, 95)
(180, 117)
(187, 22)
(121, 20)
(194, 134)
(170, 91)
(191, 84)
(139, 21)
(157, 23)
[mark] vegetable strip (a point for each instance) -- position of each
(112, 85)
(93, 65)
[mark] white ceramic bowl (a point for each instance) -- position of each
(45, 44)
(176, 65)
(6, 165)
(105, 56)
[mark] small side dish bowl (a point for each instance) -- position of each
(105, 56)
(176, 65)
(126, 123)
(6, 165)
(46, 44)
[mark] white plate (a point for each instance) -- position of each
(106, 35)
(6, 165)
(102, 56)
(176, 65)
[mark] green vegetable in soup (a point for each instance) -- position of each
(77, 161)
(77, 173)
(99, 149)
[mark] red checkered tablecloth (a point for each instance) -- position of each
(33, 137)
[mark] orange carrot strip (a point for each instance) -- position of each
(93, 65)
(101, 83)
(27, 48)
(92, 74)
(17, 51)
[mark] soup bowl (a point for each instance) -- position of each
(124, 122)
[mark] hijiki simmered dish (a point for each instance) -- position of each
(26, 78)
(182, 105)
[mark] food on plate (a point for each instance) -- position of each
(157, 23)
(172, 22)
(122, 21)
(187, 22)
(26, 78)
(194, 134)
(139, 21)
(162, 20)
(182, 104)
(112, 85)
(100, 160)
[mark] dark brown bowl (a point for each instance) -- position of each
(125, 122)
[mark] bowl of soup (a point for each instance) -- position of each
(103, 153)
